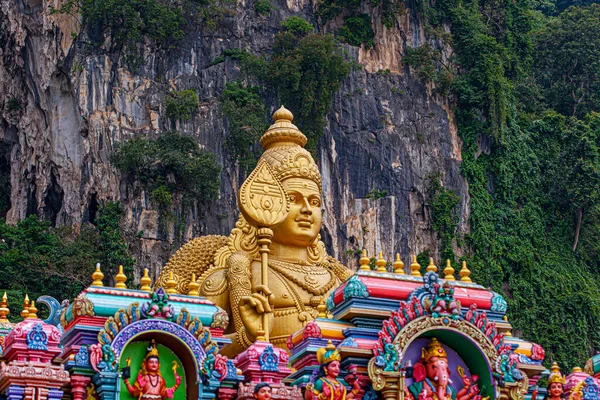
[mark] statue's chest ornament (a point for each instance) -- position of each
(305, 277)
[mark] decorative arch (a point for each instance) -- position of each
(473, 337)
(159, 327)
(173, 337)
(462, 337)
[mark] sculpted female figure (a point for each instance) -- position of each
(301, 274)
(327, 387)
(555, 388)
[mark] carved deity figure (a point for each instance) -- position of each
(149, 384)
(555, 388)
(300, 273)
(326, 386)
(432, 375)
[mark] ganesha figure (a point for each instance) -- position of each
(150, 384)
(432, 377)
(300, 273)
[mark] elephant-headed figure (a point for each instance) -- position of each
(432, 375)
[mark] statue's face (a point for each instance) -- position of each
(437, 370)
(264, 393)
(303, 223)
(333, 369)
(556, 389)
(152, 364)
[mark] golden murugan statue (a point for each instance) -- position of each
(300, 273)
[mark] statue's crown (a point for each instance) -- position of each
(284, 149)
(555, 375)
(152, 350)
(282, 131)
(325, 355)
(434, 349)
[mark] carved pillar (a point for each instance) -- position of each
(107, 384)
(41, 394)
(15, 392)
(78, 385)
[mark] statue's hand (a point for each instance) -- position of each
(253, 307)
(126, 371)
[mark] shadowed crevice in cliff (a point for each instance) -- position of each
(92, 209)
(53, 200)
(4, 178)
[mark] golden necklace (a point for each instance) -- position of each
(307, 282)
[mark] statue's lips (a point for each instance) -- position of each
(303, 223)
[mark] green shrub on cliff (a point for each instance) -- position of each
(357, 30)
(182, 104)
(171, 160)
(246, 113)
(298, 26)
(305, 73)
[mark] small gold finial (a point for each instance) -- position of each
(146, 282)
(97, 276)
(381, 263)
(4, 311)
(25, 311)
(322, 309)
(415, 267)
(431, 267)
(171, 284)
(398, 265)
(576, 369)
(283, 114)
(509, 331)
(32, 310)
(465, 273)
(194, 287)
(364, 261)
(121, 278)
(449, 271)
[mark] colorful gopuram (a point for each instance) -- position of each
(266, 313)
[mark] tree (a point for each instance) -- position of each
(567, 61)
(581, 166)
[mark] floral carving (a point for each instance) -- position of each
(312, 330)
(37, 339)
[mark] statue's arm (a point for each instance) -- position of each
(168, 393)
(133, 390)
(240, 285)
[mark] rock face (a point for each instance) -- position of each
(385, 131)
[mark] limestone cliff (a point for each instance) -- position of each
(386, 132)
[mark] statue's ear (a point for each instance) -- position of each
(419, 372)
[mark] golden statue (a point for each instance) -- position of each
(276, 236)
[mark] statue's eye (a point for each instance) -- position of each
(315, 202)
(292, 198)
